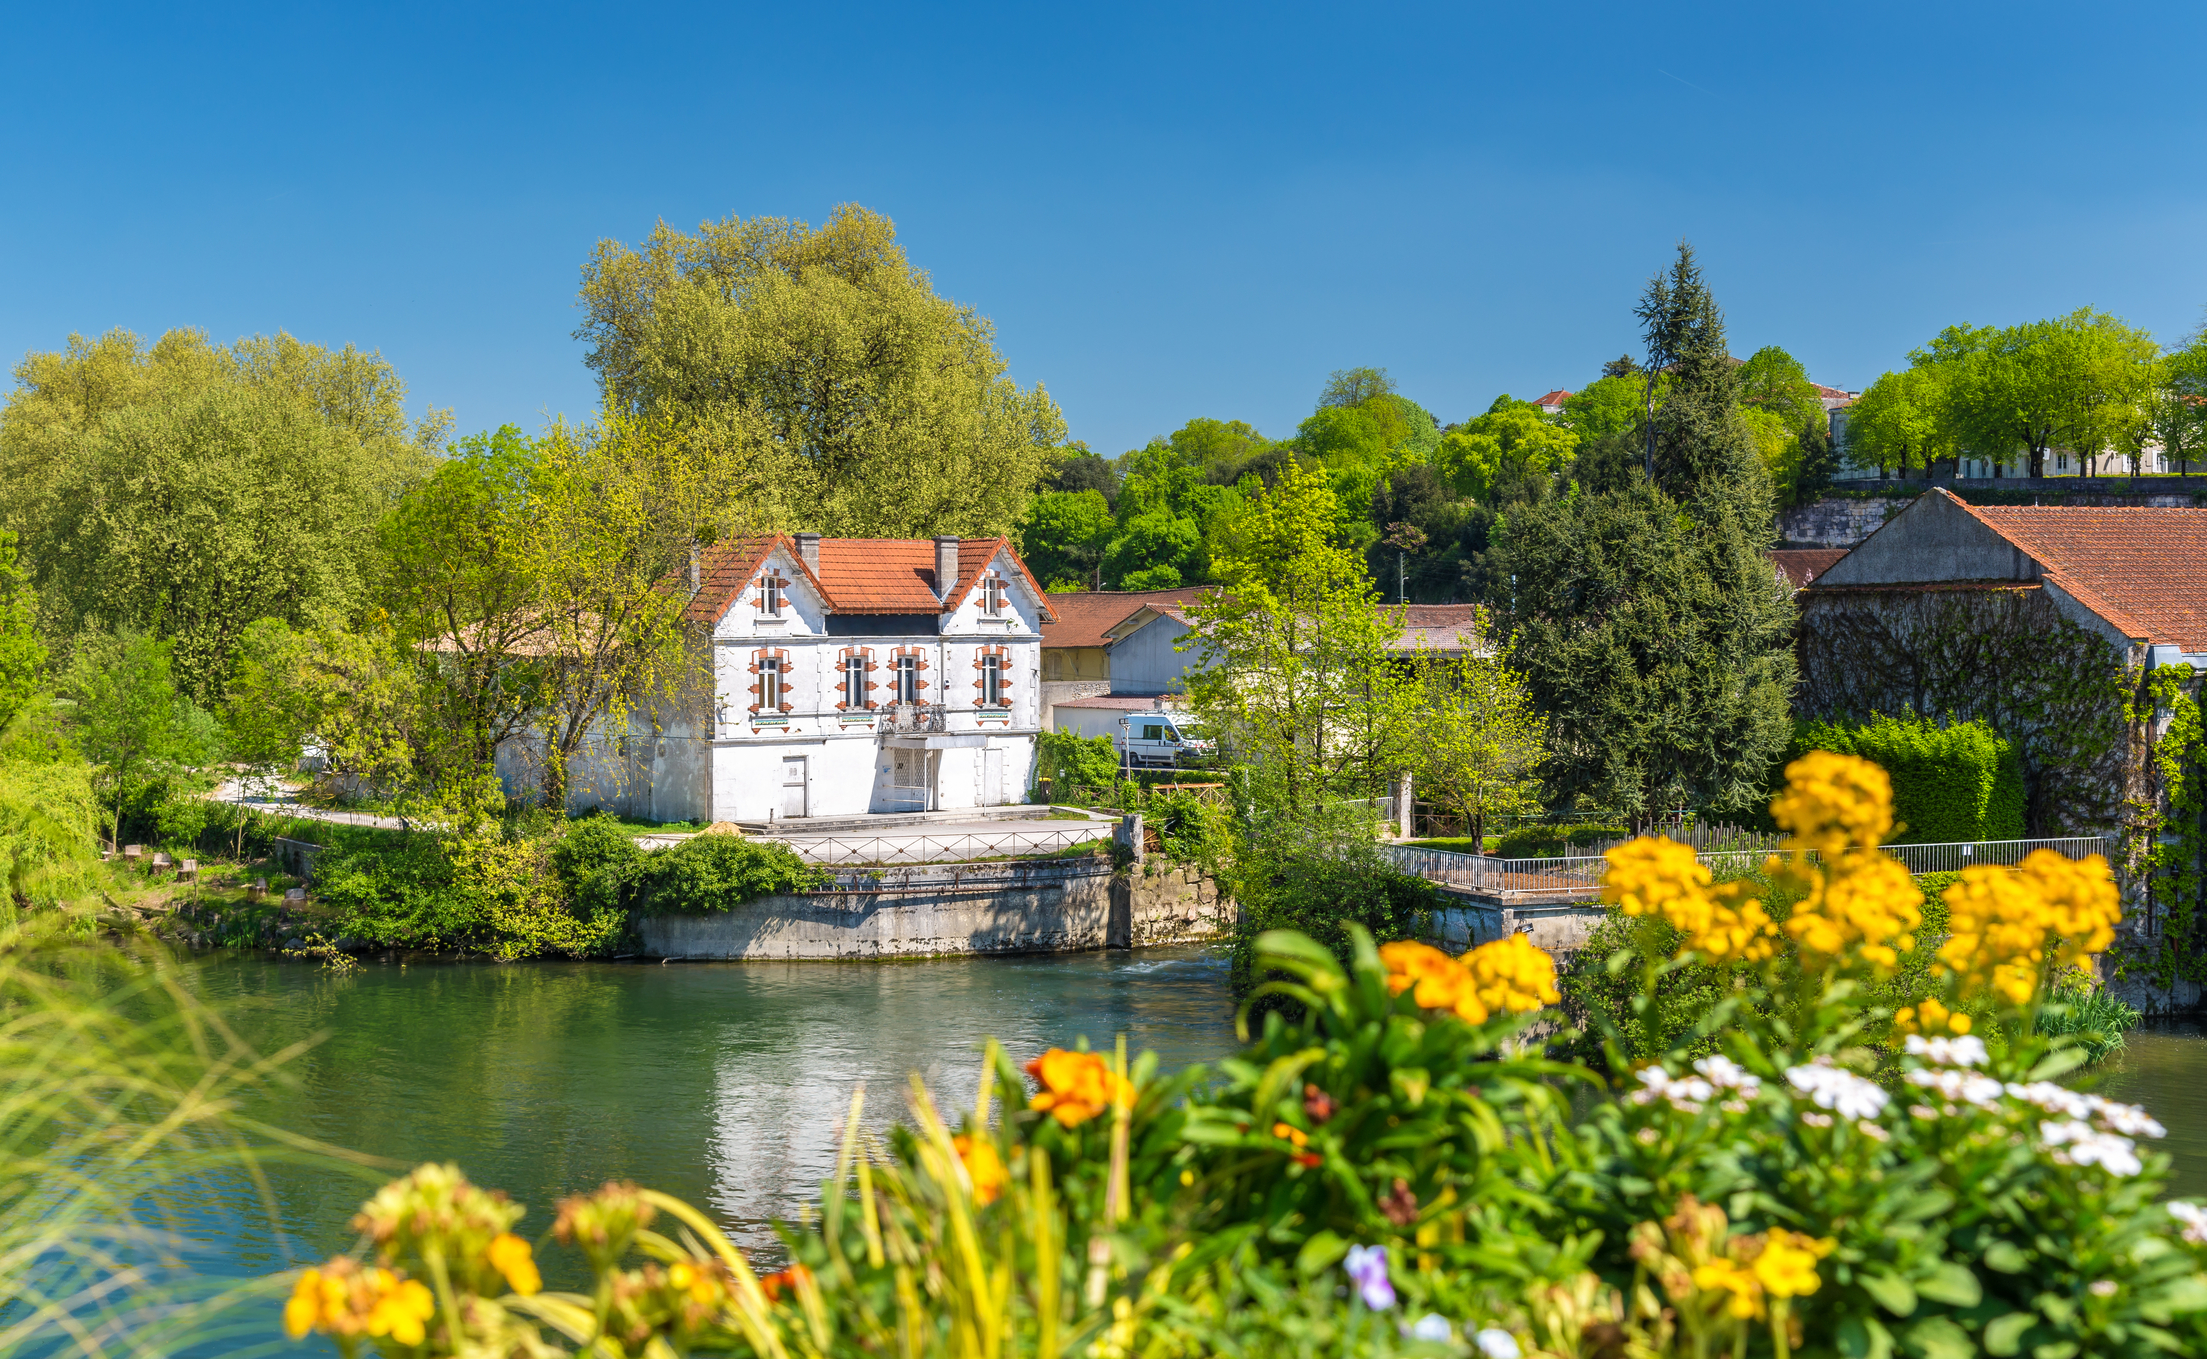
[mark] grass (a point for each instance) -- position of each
(1459, 844)
(2078, 1006)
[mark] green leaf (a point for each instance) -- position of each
(1924, 1206)
(1411, 1083)
(1891, 1292)
(2004, 1335)
(2059, 1063)
(1953, 1284)
(2006, 1257)
(1940, 1338)
(2055, 1349)
(1865, 1338)
(1320, 1253)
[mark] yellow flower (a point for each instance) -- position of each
(1860, 904)
(1835, 802)
(1658, 876)
(1511, 974)
(702, 1280)
(2008, 924)
(1744, 1291)
(1786, 1268)
(402, 1308)
(2079, 897)
(313, 1298)
(1076, 1086)
(983, 1167)
(509, 1255)
(1930, 1019)
(1440, 982)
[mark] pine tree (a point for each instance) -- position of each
(1649, 625)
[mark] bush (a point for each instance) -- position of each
(1551, 842)
(1069, 760)
(709, 873)
(599, 864)
(1326, 896)
(1952, 781)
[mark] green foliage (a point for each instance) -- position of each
(126, 713)
(1513, 442)
(709, 873)
(2082, 381)
(2172, 835)
(1609, 406)
(1326, 889)
(600, 865)
(1548, 841)
(22, 655)
(1063, 537)
(49, 832)
(1952, 781)
(2090, 1013)
(1069, 760)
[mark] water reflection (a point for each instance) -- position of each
(2164, 1068)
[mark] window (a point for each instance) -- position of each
(771, 597)
(992, 681)
(992, 595)
(854, 681)
(1153, 731)
(2061, 462)
(908, 679)
(771, 682)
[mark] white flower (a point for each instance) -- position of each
(1431, 1326)
(1685, 1094)
(2101, 1288)
(1961, 1085)
(1968, 1050)
(2081, 1144)
(1843, 1092)
(1726, 1074)
(1496, 1343)
(2128, 1119)
(2194, 1219)
(1872, 1131)
(1923, 1111)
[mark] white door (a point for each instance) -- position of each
(793, 785)
(992, 778)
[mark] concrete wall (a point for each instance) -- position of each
(931, 912)
(1559, 929)
(1836, 522)
(1144, 661)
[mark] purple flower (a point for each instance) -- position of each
(1367, 1265)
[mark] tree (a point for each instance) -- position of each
(834, 387)
(2078, 380)
(125, 712)
(1210, 445)
(1478, 744)
(1355, 386)
(22, 655)
(1080, 470)
(1297, 674)
(2180, 408)
(1613, 404)
(1063, 537)
(1697, 446)
(1513, 441)
(188, 490)
(1779, 447)
(1776, 384)
(1896, 424)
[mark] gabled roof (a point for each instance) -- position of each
(1440, 627)
(857, 575)
(1086, 617)
(1555, 399)
(2137, 569)
(2140, 568)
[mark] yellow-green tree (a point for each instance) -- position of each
(833, 387)
(1297, 673)
(1513, 442)
(189, 489)
(1478, 738)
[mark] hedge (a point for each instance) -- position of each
(1952, 780)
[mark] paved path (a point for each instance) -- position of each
(283, 802)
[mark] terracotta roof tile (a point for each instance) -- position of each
(1800, 565)
(857, 575)
(1555, 399)
(2137, 567)
(1441, 627)
(1084, 616)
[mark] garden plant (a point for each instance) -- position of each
(1391, 1165)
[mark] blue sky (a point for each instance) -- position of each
(1168, 211)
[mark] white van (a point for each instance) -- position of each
(1160, 740)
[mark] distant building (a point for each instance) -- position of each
(1552, 403)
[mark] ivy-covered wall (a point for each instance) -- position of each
(2065, 695)
(2166, 942)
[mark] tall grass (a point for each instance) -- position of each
(119, 1127)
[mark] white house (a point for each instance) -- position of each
(848, 675)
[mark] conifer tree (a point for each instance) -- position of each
(1649, 625)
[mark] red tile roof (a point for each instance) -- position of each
(1084, 616)
(1800, 565)
(1554, 399)
(857, 575)
(2137, 567)
(1440, 627)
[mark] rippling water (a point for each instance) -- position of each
(2164, 1067)
(726, 1084)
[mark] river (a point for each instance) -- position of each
(727, 1084)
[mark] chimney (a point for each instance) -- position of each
(946, 565)
(694, 584)
(808, 548)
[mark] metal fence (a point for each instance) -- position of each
(1583, 872)
(914, 847)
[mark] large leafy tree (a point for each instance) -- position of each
(22, 655)
(1794, 431)
(1515, 440)
(1648, 626)
(832, 385)
(2080, 381)
(1479, 738)
(1063, 538)
(126, 713)
(188, 489)
(1896, 424)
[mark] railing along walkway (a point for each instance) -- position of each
(914, 847)
(1579, 873)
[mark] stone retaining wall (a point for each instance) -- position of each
(951, 909)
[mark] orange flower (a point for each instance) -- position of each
(789, 1278)
(983, 1167)
(509, 1255)
(1288, 1133)
(1076, 1086)
(1441, 982)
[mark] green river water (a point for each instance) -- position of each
(727, 1084)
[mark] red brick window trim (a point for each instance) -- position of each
(770, 683)
(992, 594)
(907, 675)
(856, 683)
(992, 679)
(773, 594)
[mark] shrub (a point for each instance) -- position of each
(1326, 896)
(708, 873)
(1070, 760)
(1951, 781)
(1549, 842)
(599, 864)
